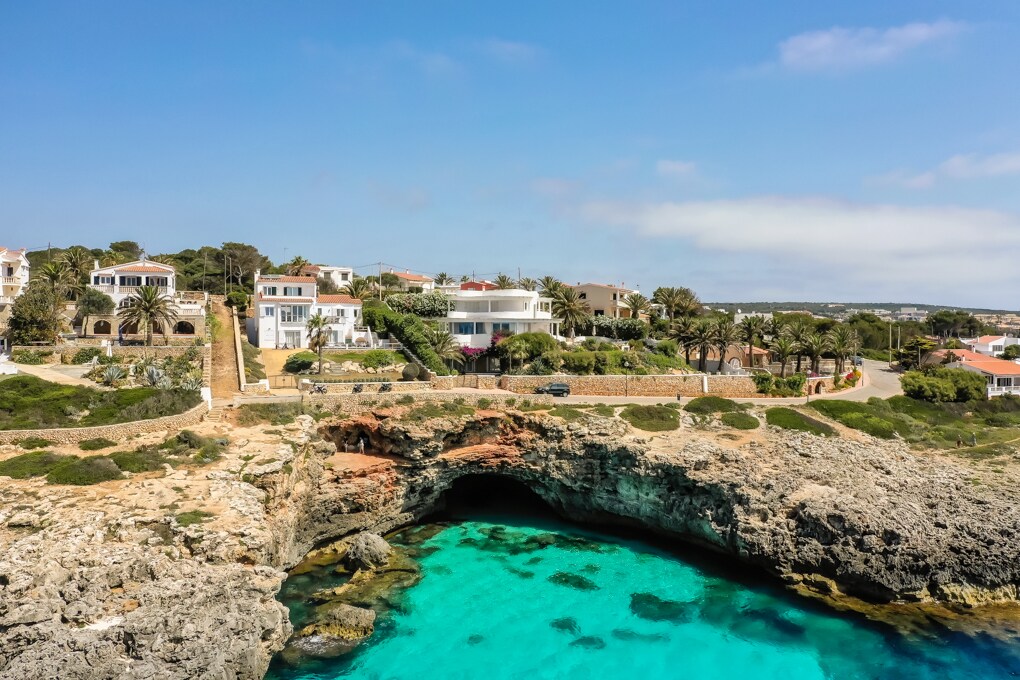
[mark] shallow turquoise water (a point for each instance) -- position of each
(545, 600)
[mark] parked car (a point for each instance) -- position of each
(858, 361)
(555, 389)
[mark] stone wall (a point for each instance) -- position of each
(690, 385)
(159, 352)
(480, 381)
(117, 432)
(367, 387)
(352, 404)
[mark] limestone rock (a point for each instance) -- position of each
(367, 551)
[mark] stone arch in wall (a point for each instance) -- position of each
(130, 328)
(184, 328)
(102, 327)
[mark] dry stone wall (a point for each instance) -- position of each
(352, 404)
(690, 385)
(117, 432)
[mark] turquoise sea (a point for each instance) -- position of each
(505, 597)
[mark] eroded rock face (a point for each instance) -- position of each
(367, 551)
(867, 518)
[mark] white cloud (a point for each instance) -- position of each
(831, 243)
(676, 169)
(962, 166)
(840, 48)
(509, 51)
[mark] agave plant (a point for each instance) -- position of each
(153, 376)
(112, 374)
(191, 384)
(164, 383)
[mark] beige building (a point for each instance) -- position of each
(13, 282)
(605, 300)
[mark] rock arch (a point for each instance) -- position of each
(102, 327)
(184, 328)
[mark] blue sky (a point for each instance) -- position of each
(869, 150)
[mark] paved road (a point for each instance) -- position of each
(59, 374)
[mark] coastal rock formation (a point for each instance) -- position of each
(860, 517)
(174, 573)
(339, 629)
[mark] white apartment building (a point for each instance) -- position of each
(478, 310)
(991, 345)
(283, 305)
(14, 278)
(121, 281)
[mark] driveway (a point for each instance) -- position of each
(59, 373)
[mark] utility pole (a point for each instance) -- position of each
(890, 342)
(379, 282)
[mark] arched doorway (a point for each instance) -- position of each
(130, 328)
(102, 327)
(184, 328)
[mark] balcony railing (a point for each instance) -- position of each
(994, 390)
(10, 280)
(126, 290)
(6, 299)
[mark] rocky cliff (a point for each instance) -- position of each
(111, 581)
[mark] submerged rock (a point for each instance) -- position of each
(339, 622)
(589, 642)
(633, 636)
(653, 608)
(576, 581)
(567, 624)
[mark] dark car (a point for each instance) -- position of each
(858, 361)
(555, 389)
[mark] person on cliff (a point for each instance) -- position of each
(361, 444)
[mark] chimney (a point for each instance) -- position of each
(95, 264)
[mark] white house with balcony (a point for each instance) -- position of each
(1002, 377)
(283, 305)
(338, 276)
(122, 281)
(413, 283)
(478, 309)
(14, 277)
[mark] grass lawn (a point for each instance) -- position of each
(27, 402)
(788, 419)
(651, 418)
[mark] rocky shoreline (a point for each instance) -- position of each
(92, 588)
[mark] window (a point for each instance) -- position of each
(131, 280)
(293, 313)
(267, 312)
(341, 313)
(292, 290)
(501, 326)
(269, 290)
(464, 328)
(1004, 382)
(343, 276)
(583, 296)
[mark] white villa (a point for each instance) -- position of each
(411, 283)
(479, 309)
(990, 345)
(14, 277)
(283, 305)
(338, 276)
(121, 281)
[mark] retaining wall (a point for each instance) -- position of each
(368, 387)
(689, 385)
(118, 432)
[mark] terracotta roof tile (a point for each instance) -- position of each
(989, 339)
(995, 366)
(337, 300)
(410, 277)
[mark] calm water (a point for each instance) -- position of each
(544, 600)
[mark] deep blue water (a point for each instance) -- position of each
(543, 599)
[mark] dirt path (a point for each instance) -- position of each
(225, 381)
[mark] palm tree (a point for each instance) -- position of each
(682, 330)
(637, 303)
(814, 346)
(56, 274)
(703, 337)
(683, 301)
(773, 328)
(146, 307)
(726, 334)
(843, 343)
(504, 282)
(318, 335)
(572, 311)
(357, 288)
(782, 348)
(445, 345)
(442, 279)
(296, 266)
(78, 261)
(799, 331)
(752, 326)
(549, 285)
(527, 283)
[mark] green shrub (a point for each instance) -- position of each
(377, 358)
(651, 418)
(484, 403)
(96, 444)
(567, 413)
(84, 471)
(187, 519)
(27, 356)
(86, 354)
(300, 361)
(740, 421)
(139, 460)
(238, 300)
(33, 443)
(667, 347)
(709, 405)
(405, 400)
(763, 382)
(940, 384)
(254, 370)
(527, 345)
(795, 383)
(579, 363)
(425, 305)
(873, 425)
(34, 464)
(788, 419)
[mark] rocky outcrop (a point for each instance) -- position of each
(869, 519)
(367, 551)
